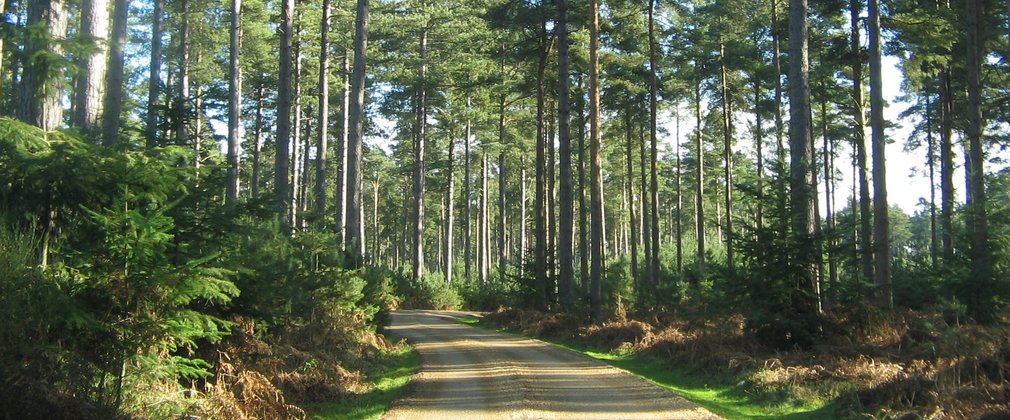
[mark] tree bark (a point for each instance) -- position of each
(323, 121)
(540, 203)
(647, 226)
(91, 65)
(632, 220)
(234, 104)
(947, 166)
(345, 129)
(566, 280)
(450, 249)
(502, 183)
(467, 197)
(727, 156)
(115, 78)
(154, 79)
(977, 224)
(484, 259)
(258, 138)
(354, 238)
(583, 214)
(596, 195)
(881, 240)
(419, 163)
(859, 144)
(801, 159)
(182, 113)
(679, 233)
(41, 81)
(654, 155)
(699, 193)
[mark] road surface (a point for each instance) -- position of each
(471, 373)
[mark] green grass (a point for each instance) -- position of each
(389, 381)
(723, 395)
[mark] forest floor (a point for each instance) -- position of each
(899, 365)
(478, 373)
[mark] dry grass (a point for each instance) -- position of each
(913, 364)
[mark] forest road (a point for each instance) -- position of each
(472, 373)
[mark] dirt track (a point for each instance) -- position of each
(470, 373)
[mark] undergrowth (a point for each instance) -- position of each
(905, 364)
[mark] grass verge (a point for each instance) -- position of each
(388, 382)
(723, 395)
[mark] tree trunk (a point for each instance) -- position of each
(501, 188)
(258, 138)
(947, 166)
(566, 282)
(552, 225)
(859, 140)
(828, 200)
(154, 78)
(42, 81)
(596, 195)
(977, 223)
(484, 259)
(777, 64)
(934, 250)
(523, 194)
(182, 113)
(727, 156)
(467, 196)
(801, 159)
(354, 239)
(583, 214)
(234, 104)
(654, 170)
(323, 121)
(758, 152)
(699, 193)
(115, 78)
(419, 163)
(679, 233)
(540, 203)
(91, 65)
(632, 220)
(647, 226)
(881, 240)
(345, 129)
(3, 9)
(450, 209)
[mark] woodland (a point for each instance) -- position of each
(209, 207)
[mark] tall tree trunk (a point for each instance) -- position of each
(154, 78)
(654, 155)
(583, 214)
(947, 166)
(679, 233)
(467, 196)
(450, 249)
(182, 112)
(596, 195)
(234, 104)
(777, 64)
(42, 81)
(829, 171)
(323, 121)
(523, 194)
(484, 261)
(419, 164)
(978, 226)
(258, 138)
(727, 157)
(759, 215)
(801, 159)
(881, 240)
(502, 208)
(859, 140)
(540, 203)
(699, 193)
(566, 282)
(632, 220)
(354, 239)
(296, 128)
(345, 129)
(91, 65)
(647, 226)
(934, 250)
(284, 97)
(552, 205)
(115, 78)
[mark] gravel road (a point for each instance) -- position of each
(471, 373)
